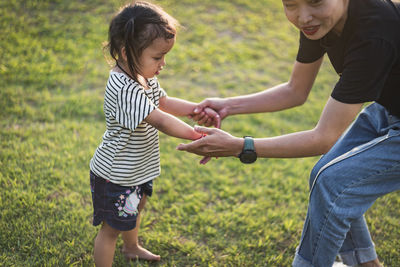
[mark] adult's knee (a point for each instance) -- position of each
(325, 187)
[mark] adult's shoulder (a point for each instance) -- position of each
(375, 10)
(375, 19)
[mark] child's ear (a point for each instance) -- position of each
(123, 54)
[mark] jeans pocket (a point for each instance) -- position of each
(394, 130)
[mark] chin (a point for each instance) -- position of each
(315, 36)
(312, 37)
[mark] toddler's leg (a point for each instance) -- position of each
(104, 246)
(131, 248)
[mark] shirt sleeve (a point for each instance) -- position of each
(162, 93)
(366, 68)
(160, 90)
(133, 106)
(309, 50)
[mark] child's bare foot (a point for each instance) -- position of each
(137, 252)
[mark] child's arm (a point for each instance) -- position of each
(180, 107)
(170, 125)
(176, 106)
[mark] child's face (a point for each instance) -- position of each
(315, 18)
(152, 60)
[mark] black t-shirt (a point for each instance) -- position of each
(366, 55)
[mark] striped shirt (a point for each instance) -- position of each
(129, 153)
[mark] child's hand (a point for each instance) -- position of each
(216, 122)
(216, 119)
(207, 117)
(218, 105)
(206, 159)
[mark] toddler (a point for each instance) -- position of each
(127, 161)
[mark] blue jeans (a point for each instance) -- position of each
(363, 165)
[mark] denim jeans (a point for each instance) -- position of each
(363, 165)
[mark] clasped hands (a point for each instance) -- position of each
(215, 142)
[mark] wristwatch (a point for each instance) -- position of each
(248, 154)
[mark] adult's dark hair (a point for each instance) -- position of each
(134, 28)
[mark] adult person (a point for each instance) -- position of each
(362, 40)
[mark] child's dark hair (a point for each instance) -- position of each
(135, 27)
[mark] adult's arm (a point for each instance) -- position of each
(286, 95)
(334, 120)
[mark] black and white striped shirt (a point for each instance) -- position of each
(129, 153)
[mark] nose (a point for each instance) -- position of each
(304, 15)
(163, 62)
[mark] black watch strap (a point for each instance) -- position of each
(248, 154)
(248, 143)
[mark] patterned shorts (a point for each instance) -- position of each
(115, 204)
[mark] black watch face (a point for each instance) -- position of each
(248, 156)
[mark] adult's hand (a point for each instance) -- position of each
(209, 117)
(216, 143)
(206, 116)
(218, 105)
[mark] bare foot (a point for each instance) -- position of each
(137, 252)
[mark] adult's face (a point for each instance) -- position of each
(315, 18)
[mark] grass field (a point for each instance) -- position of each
(53, 73)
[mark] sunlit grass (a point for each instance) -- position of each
(53, 73)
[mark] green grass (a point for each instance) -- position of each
(53, 73)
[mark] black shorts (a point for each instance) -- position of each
(115, 204)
